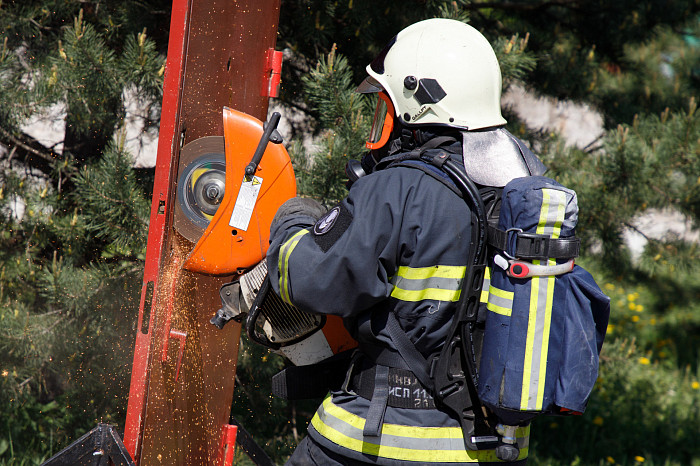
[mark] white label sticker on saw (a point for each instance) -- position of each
(245, 203)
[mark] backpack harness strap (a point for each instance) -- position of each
(377, 408)
(531, 246)
(455, 391)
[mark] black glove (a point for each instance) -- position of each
(298, 207)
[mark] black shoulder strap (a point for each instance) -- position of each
(415, 154)
(452, 375)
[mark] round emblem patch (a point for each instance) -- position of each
(326, 222)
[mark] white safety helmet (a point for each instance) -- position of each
(439, 72)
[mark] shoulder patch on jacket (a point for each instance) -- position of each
(331, 226)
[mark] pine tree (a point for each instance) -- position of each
(74, 220)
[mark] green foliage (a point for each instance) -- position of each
(72, 239)
(626, 57)
(651, 163)
(118, 213)
(82, 61)
(330, 94)
(639, 409)
(657, 74)
(66, 303)
(358, 29)
(515, 60)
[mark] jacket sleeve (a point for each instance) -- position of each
(342, 264)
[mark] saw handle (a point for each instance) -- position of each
(270, 134)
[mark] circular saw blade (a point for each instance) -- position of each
(200, 185)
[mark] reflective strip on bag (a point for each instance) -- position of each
(406, 443)
(485, 286)
(500, 301)
(540, 312)
(283, 263)
(440, 282)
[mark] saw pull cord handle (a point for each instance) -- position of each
(270, 128)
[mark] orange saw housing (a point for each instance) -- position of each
(238, 235)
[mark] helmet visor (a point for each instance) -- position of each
(369, 86)
(383, 123)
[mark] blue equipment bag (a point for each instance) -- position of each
(546, 317)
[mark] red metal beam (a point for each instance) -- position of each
(179, 400)
(160, 213)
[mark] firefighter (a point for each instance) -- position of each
(390, 258)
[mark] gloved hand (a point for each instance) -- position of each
(298, 207)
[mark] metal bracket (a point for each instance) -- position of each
(272, 73)
(230, 305)
(101, 446)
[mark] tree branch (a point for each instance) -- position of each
(522, 6)
(34, 153)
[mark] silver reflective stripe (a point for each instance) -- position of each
(552, 213)
(431, 282)
(409, 443)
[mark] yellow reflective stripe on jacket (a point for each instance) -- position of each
(439, 282)
(540, 312)
(500, 301)
(406, 443)
(283, 263)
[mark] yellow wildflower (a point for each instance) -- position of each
(598, 421)
(610, 460)
(635, 318)
(644, 361)
(639, 459)
(695, 385)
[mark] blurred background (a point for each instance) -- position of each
(605, 92)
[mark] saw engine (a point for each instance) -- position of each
(301, 337)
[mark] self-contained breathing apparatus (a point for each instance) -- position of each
(543, 315)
